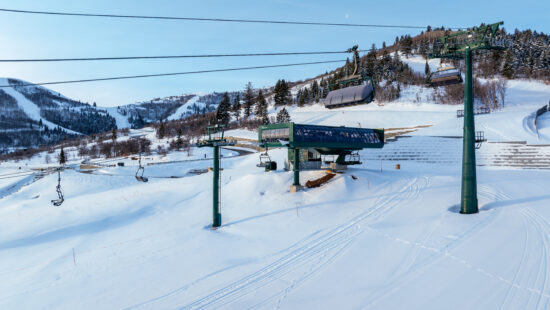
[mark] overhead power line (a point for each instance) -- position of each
(214, 19)
(169, 56)
(170, 74)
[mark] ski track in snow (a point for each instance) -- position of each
(534, 220)
(426, 238)
(334, 240)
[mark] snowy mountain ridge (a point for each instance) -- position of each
(35, 115)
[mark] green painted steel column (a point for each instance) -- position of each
(216, 216)
(469, 183)
(341, 159)
(296, 167)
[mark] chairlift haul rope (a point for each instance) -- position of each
(202, 19)
(171, 74)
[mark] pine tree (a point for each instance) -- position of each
(114, 135)
(261, 108)
(427, 72)
(301, 99)
(161, 131)
(507, 66)
(306, 95)
(278, 92)
(286, 93)
(179, 140)
(237, 107)
(62, 158)
(283, 116)
(406, 45)
(315, 95)
(281, 93)
(248, 99)
(324, 88)
(222, 113)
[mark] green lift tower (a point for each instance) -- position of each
(461, 45)
(215, 138)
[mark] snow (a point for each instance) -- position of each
(31, 109)
(382, 239)
(184, 108)
(242, 133)
(121, 120)
(418, 63)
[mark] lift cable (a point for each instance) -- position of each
(16, 176)
(215, 19)
(169, 74)
(171, 56)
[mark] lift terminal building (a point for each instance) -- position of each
(306, 144)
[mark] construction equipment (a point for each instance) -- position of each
(60, 198)
(353, 89)
(139, 176)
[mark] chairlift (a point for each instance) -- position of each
(480, 138)
(57, 202)
(354, 159)
(444, 76)
(353, 89)
(266, 162)
(264, 159)
(139, 176)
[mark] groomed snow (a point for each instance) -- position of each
(373, 237)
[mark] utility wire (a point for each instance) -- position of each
(170, 74)
(214, 19)
(169, 56)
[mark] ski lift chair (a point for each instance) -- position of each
(139, 176)
(445, 76)
(352, 89)
(57, 202)
(480, 138)
(264, 159)
(354, 159)
(266, 162)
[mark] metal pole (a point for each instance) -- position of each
(296, 167)
(216, 216)
(469, 183)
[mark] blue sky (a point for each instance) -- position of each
(36, 36)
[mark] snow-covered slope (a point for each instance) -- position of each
(184, 108)
(372, 237)
(29, 107)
